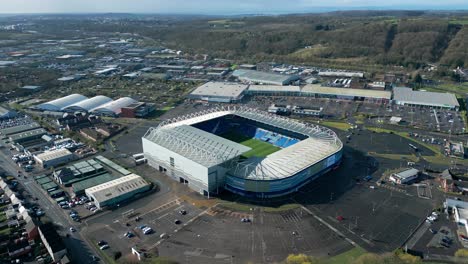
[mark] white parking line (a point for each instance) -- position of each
(162, 216)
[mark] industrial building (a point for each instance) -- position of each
(219, 92)
(7, 113)
(88, 104)
(191, 150)
(78, 172)
(405, 176)
(116, 191)
(18, 129)
(375, 96)
(113, 108)
(260, 77)
(406, 96)
(54, 158)
(274, 90)
(459, 209)
(27, 135)
(139, 109)
(60, 103)
(341, 74)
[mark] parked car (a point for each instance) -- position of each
(102, 243)
(177, 222)
(245, 220)
(72, 229)
(104, 247)
(182, 212)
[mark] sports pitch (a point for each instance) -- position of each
(259, 148)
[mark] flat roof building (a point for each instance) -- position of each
(406, 96)
(264, 77)
(7, 113)
(273, 90)
(222, 92)
(138, 109)
(116, 191)
(341, 74)
(346, 93)
(54, 157)
(404, 176)
(18, 129)
(27, 135)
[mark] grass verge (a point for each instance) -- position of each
(346, 257)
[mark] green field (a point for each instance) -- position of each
(259, 148)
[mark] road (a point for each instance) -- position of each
(77, 247)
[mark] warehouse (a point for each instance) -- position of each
(60, 103)
(375, 96)
(80, 187)
(88, 104)
(274, 90)
(406, 96)
(54, 158)
(6, 113)
(264, 77)
(78, 172)
(405, 176)
(27, 135)
(220, 92)
(341, 74)
(18, 129)
(459, 209)
(116, 191)
(139, 109)
(113, 108)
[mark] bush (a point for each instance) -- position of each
(300, 259)
(117, 255)
(462, 253)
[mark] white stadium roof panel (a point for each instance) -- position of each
(60, 103)
(195, 144)
(113, 107)
(88, 104)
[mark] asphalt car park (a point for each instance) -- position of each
(220, 236)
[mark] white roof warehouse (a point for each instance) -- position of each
(406, 96)
(118, 190)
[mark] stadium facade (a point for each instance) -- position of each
(194, 150)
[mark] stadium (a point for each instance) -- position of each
(243, 150)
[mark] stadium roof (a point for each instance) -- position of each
(273, 89)
(192, 143)
(115, 188)
(195, 144)
(220, 89)
(60, 103)
(113, 107)
(367, 93)
(264, 77)
(408, 96)
(88, 104)
(287, 162)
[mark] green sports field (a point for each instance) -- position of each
(259, 148)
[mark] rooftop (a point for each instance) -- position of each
(53, 154)
(273, 88)
(117, 187)
(195, 144)
(263, 77)
(317, 89)
(407, 173)
(407, 95)
(220, 89)
(26, 134)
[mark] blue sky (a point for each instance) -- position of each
(217, 6)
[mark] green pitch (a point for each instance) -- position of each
(259, 148)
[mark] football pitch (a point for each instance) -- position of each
(259, 148)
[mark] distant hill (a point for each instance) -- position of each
(408, 38)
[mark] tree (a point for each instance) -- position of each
(462, 253)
